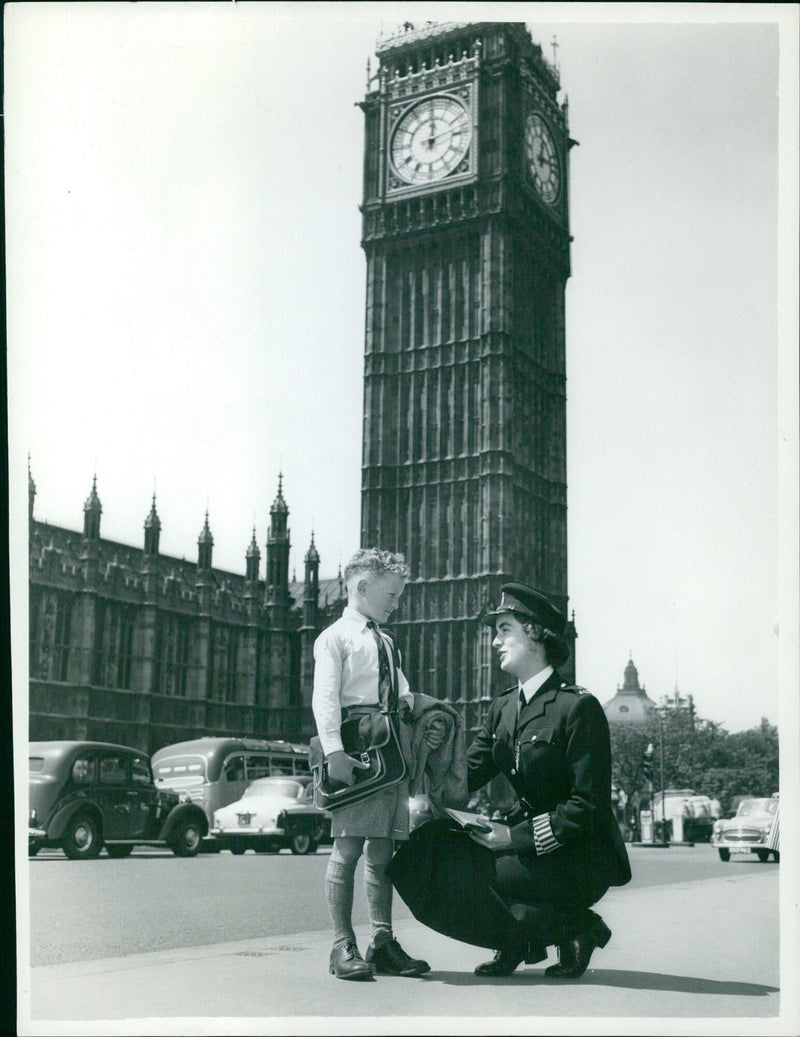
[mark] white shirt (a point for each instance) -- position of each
(346, 674)
(532, 684)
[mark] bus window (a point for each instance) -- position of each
(179, 772)
(258, 766)
(234, 768)
(281, 765)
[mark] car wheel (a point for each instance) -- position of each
(776, 856)
(302, 843)
(119, 850)
(237, 849)
(33, 850)
(186, 842)
(763, 855)
(724, 855)
(269, 849)
(82, 840)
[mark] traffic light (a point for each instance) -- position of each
(647, 763)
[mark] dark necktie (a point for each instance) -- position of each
(387, 693)
(521, 703)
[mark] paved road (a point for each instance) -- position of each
(153, 901)
(687, 957)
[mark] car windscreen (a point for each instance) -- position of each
(286, 789)
(757, 806)
(180, 772)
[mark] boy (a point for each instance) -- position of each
(355, 665)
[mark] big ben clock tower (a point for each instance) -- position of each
(466, 235)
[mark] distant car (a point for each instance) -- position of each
(754, 828)
(273, 813)
(87, 795)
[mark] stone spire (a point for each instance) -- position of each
(205, 546)
(152, 531)
(92, 510)
(252, 560)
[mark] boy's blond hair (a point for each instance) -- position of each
(373, 561)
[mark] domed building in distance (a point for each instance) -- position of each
(630, 704)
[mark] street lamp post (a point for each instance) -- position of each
(664, 834)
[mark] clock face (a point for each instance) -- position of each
(430, 140)
(542, 156)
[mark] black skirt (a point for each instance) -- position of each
(450, 883)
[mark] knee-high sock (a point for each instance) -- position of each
(378, 888)
(339, 892)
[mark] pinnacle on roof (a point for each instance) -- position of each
(205, 535)
(152, 521)
(631, 683)
(279, 504)
(93, 501)
(312, 555)
(252, 550)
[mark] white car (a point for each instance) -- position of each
(273, 813)
(753, 829)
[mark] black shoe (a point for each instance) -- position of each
(347, 963)
(575, 953)
(390, 959)
(502, 964)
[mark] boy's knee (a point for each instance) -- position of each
(378, 852)
(346, 849)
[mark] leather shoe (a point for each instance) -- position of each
(390, 959)
(347, 963)
(575, 953)
(502, 964)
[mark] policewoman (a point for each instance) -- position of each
(533, 884)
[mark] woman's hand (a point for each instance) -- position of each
(498, 839)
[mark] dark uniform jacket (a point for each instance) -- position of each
(557, 757)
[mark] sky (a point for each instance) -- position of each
(185, 290)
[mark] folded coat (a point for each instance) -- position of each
(443, 769)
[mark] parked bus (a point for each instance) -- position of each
(214, 772)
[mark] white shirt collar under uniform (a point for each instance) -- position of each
(532, 684)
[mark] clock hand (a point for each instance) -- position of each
(444, 133)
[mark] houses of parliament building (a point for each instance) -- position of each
(465, 230)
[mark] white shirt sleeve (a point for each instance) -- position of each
(325, 698)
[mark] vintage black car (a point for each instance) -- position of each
(87, 795)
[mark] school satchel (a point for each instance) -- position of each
(371, 737)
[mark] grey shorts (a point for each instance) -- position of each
(383, 815)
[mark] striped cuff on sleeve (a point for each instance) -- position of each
(543, 836)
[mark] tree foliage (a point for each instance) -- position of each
(697, 754)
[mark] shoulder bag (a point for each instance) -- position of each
(370, 735)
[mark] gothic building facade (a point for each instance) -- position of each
(133, 646)
(466, 237)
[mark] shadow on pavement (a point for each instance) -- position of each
(614, 978)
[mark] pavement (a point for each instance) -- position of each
(702, 950)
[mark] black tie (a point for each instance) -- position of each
(521, 702)
(387, 693)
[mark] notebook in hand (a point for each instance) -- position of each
(479, 823)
